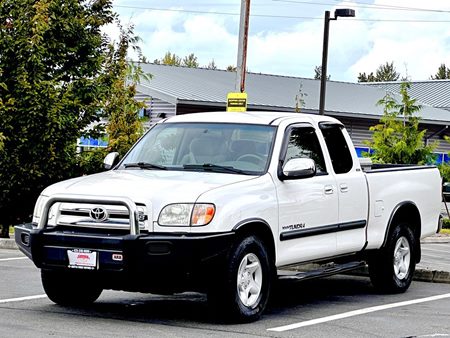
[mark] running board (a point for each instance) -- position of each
(323, 271)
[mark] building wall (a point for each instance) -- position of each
(156, 109)
(357, 128)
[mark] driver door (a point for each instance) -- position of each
(308, 207)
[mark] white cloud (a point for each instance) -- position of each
(294, 47)
(421, 46)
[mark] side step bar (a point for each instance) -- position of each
(323, 271)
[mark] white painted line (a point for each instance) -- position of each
(21, 299)
(12, 259)
(357, 313)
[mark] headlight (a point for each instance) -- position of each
(186, 214)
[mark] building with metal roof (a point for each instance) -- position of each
(434, 93)
(180, 90)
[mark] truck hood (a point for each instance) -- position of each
(144, 186)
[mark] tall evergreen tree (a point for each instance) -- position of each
(397, 138)
(384, 72)
(190, 61)
(442, 73)
(212, 65)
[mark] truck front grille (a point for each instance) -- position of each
(97, 216)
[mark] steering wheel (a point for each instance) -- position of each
(252, 158)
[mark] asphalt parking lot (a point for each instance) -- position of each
(340, 306)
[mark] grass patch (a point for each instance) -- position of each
(445, 231)
(446, 223)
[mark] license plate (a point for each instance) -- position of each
(82, 259)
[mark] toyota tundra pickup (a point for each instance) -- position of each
(220, 203)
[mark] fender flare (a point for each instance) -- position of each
(391, 224)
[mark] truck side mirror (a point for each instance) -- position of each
(298, 168)
(111, 160)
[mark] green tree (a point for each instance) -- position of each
(212, 65)
(2, 142)
(190, 61)
(169, 59)
(124, 126)
(397, 139)
(363, 77)
(385, 72)
(318, 73)
(442, 73)
(51, 56)
(120, 106)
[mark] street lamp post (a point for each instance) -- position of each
(342, 12)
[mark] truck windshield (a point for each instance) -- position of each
(218, 147)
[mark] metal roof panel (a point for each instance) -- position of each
(206, 86)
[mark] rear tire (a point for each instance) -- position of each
(391, 270)
(66, 288)
(240, 291)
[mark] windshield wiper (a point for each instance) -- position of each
(215, 167)
(145, 165)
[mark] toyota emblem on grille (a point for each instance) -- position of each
(98, 214)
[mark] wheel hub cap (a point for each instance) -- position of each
(402, 258)
(249, 280)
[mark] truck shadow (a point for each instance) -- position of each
(287, 297)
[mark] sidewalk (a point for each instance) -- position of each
(434, 266)
(435, 263)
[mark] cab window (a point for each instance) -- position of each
(340, 155)
(303, 143)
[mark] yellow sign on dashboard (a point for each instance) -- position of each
(237, 102)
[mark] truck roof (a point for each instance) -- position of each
(251, 117)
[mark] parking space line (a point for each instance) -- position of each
(357, 313)
(21, 299)
(12, 259)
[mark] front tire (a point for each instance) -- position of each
(391, 269)
(70, 289)
(241, 291)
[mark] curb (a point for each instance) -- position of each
(8, 243)
(420, 275)
(423, 275)
(435, 239)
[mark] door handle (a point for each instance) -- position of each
(343, 187)
(328, 189)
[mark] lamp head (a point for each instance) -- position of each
(344, 13)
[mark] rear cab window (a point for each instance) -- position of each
(340, 155)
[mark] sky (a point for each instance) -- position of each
(286, 36)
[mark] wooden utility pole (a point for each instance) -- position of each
(242, 47)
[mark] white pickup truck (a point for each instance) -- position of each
(219, 202)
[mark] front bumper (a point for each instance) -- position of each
(162, 262)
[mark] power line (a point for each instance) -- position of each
(275, 16)
(366, 5)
